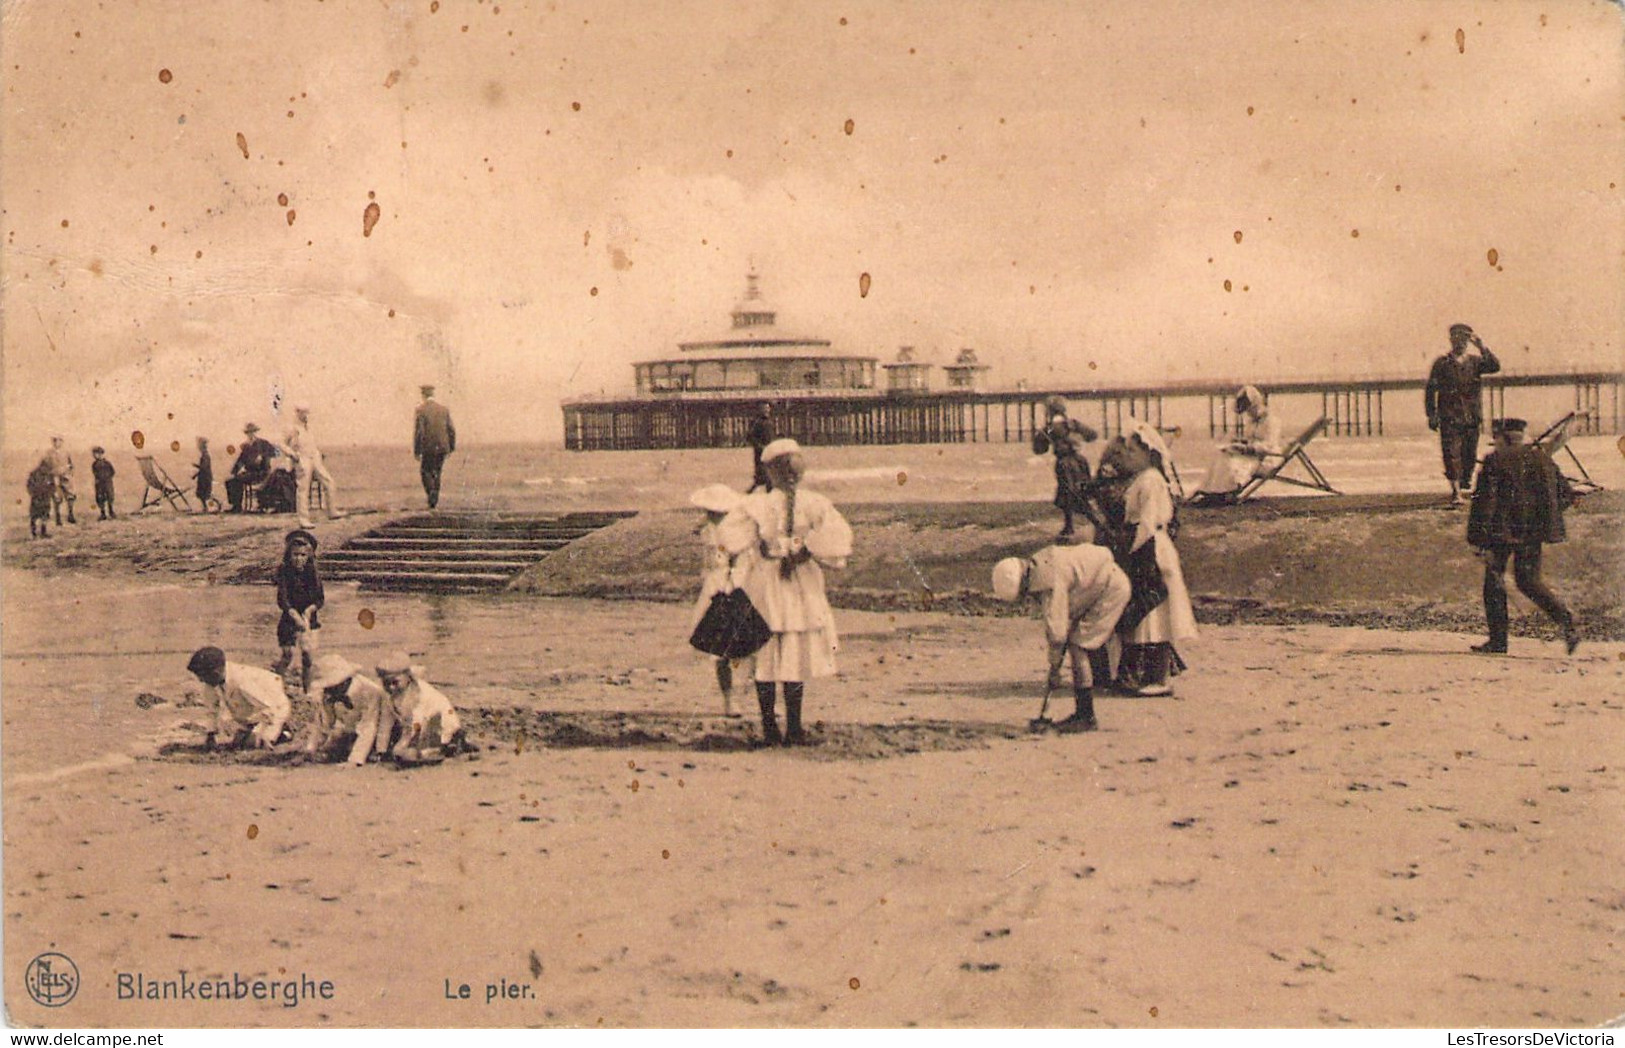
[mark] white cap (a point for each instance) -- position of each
(1007, 577)
(780, 448)
(718, 498)
(1041, 577)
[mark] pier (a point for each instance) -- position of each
(707, 418)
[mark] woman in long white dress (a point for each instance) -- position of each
(784, 539)
(1258, 435)
(1148, 508)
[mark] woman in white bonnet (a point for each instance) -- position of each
(1148, 508)
(1258, 434)
(784, 539)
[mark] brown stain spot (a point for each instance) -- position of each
(392, 314)
(1542, 19)
(1237, 235)
(165, 76)
(369, 218)
(576, 106)
(902, 477)
(1249, 110)
(863, 285)
(1153, 1011)
(1461, 42)
(593, 292)
(618, 259)
(393, 78)
(253, 830)
(1093, 366)
(366, 618)
(139, 439)
(1494, 256)
(174, 445)
(850, 126)
(64, 223)
(282, 199)
(494, 93)
(853, 982)
(242, 144)
(231, 449)
(665, 854)
(843, 20)
(635, 786)
(372, 194)
(292, 214)
(434, 6)
(1227, 285)
(95, 266)
(197, 254)
(1355, 233)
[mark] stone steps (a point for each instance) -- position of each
(462, 553)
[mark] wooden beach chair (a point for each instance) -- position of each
(1555, 441)
(160, 482)
(1297, 450)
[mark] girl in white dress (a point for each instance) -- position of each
(1149, 509)
(784, 539)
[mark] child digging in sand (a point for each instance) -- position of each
(245, 703)
(429, 727)
(348, 706)
(716, 577)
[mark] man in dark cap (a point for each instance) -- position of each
(1453, 405)
(252, 468)
(433, 438)
(1516, 508)
(760, 435)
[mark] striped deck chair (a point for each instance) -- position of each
(1296, 450)
(159, 481)
(1555, 442)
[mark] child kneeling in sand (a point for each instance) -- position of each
(1083, 593)
(348, 706)
(245, 703)
(428, 726)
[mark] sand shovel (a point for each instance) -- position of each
(1041, 723)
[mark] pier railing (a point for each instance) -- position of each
(721, 418)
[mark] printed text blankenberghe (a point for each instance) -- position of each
(290, 993)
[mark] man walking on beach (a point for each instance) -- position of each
(1452, 401)
(760, 435)
(1516, 508)
(433, 438)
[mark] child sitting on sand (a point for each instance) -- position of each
(429, 727)
(41, 487)
(348, 706)
(245, 703)
(716, 576)
(299, 594)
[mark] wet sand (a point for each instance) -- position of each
(1324, 827)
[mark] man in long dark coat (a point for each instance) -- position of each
(433, 438)
(252, 468)
(1453, 405)
(1517, 507)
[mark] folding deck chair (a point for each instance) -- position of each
(1296, 450)
(159, 481)
(1555, 441)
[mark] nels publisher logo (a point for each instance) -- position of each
(52, 979)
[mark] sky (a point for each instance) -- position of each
(1083, 192)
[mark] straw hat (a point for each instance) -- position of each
(394, 664)
(329, 671)
(780, 448)
(717, 498)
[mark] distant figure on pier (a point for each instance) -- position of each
(1258, 435)
(760, 435)
(433, 438)
(1454, 408)
(1067, 438)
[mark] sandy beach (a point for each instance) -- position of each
(1326, 826)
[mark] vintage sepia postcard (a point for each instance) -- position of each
(531, 513)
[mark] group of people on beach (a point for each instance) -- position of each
(400, 716)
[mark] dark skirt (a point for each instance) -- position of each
(1071, 483)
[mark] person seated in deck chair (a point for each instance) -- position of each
(253, 465)
(1258, 435)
